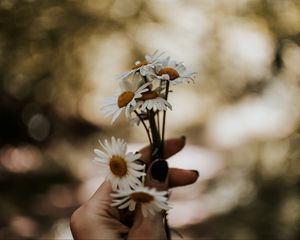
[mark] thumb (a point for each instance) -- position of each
(102, 194)
(152, 226)
(100, 202)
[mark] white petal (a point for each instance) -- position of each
(114, 184)
(120, 201)
(99, 160)
(116, 115)
(144, 210)
(120, 194)
(126, 204)
(132, 205)
(101, 154)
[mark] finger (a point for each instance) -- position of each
(151, 226)
(102, 193)
(158, 175)
(101, 201)
(171, 147)
(100, 204)
(181, 177)
(96, 218)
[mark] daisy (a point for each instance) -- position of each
(173, 71)
(124, 173)
(151, 200)
(144, 66)
(125, 98)
(153, 100)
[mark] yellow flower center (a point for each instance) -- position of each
(173, 74)
(149, 95)
(118, 166)
(141, 197)
(141, 63)
(125, 98)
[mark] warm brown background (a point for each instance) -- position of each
(59, 58)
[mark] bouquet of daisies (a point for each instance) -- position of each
(143, 97)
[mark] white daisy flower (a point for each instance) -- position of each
(143, 66)
(151, 200)
(125, 98)
(173, 71)
(124, 173)
(153, 100)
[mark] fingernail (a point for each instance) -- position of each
(196, 172)
(159, 170)
(183, 138)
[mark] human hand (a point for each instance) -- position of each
(96, 219)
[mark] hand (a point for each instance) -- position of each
(96, 219)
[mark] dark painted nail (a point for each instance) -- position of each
(183, 138)
(195, 171)
(159, 170)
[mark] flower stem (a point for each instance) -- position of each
(145, 126)
(158, 120)
(164, 116)
(156, 147)
(167, 228)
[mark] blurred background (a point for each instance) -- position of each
(59, 59)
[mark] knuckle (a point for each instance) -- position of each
(76, 219)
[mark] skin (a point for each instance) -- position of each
(96, 219)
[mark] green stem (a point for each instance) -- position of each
(156, 147)
(164, 116)
(145, 126)
(158, 120)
